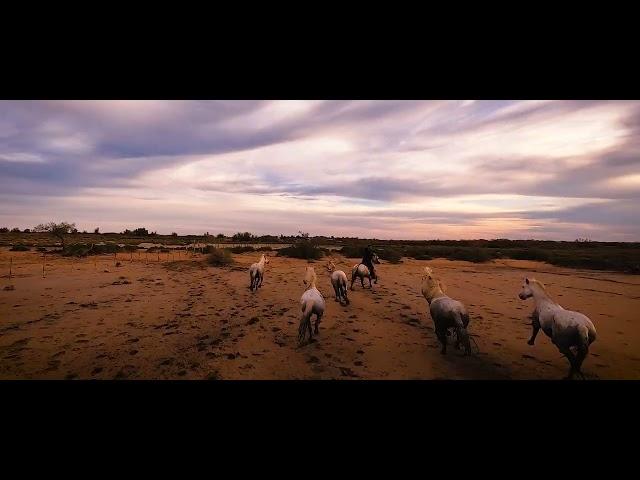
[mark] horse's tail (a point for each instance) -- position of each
(464, 317)
(462, 321)
(305, 320)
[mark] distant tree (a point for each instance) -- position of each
(58, 230)
(15, 230)
(220, 235)
(96, 230)
(242, 237)
(174, 234)
(4, 230)
(84, 231)
(74, 230)
(141, 232)
(127, 232)
(26, 230)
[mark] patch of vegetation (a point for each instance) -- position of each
(58, 230)
(305, 248)
(220, 257)
(264, 249)
(20, 248)
(242, 249)
(391, 255)
(83, 249)
(352, 251)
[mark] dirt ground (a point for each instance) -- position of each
(177, 318)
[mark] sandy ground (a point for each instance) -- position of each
(150, 319)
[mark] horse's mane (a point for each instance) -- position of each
(539, 284)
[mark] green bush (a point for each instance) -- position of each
(352, 251)
(306, 250)
(265, 249)
(391, 255)
(20, 248)
(242, 249)
(219, 257)
(76, 250)
(83, 250)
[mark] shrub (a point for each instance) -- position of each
(76, 250)
(476, 255)
(244, 249)
(82, 249)
(265, 249)
(20, 248)
(4, 230)
(352, 251)
(219, 257)
(392, 255)
(305, 249)
(15, 230)
(105, 249)
(130, 248)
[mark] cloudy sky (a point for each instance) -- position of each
(385, 169)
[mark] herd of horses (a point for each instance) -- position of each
(571, 332)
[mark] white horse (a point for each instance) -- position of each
(567, 329)
(339, 283)
(361, 271)
(445, 312)
(312, 302)
(256, 272)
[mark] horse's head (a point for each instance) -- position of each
(330, 266)
(375, 258)
(527, 291)
(427, 272)
(309, 277)
(431, 286)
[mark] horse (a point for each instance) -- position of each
(312, 303)
(445, 312)
(361, 271)
(339, 283)
(567, 329)
(256, 272)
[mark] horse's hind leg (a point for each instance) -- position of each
(572, 361)
(309, 325)
(581, 355)
(441, 333)
(318, 318)
(362, 281)
(337, 292)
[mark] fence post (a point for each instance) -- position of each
(10, 266)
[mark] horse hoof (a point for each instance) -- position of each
(530, 342)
